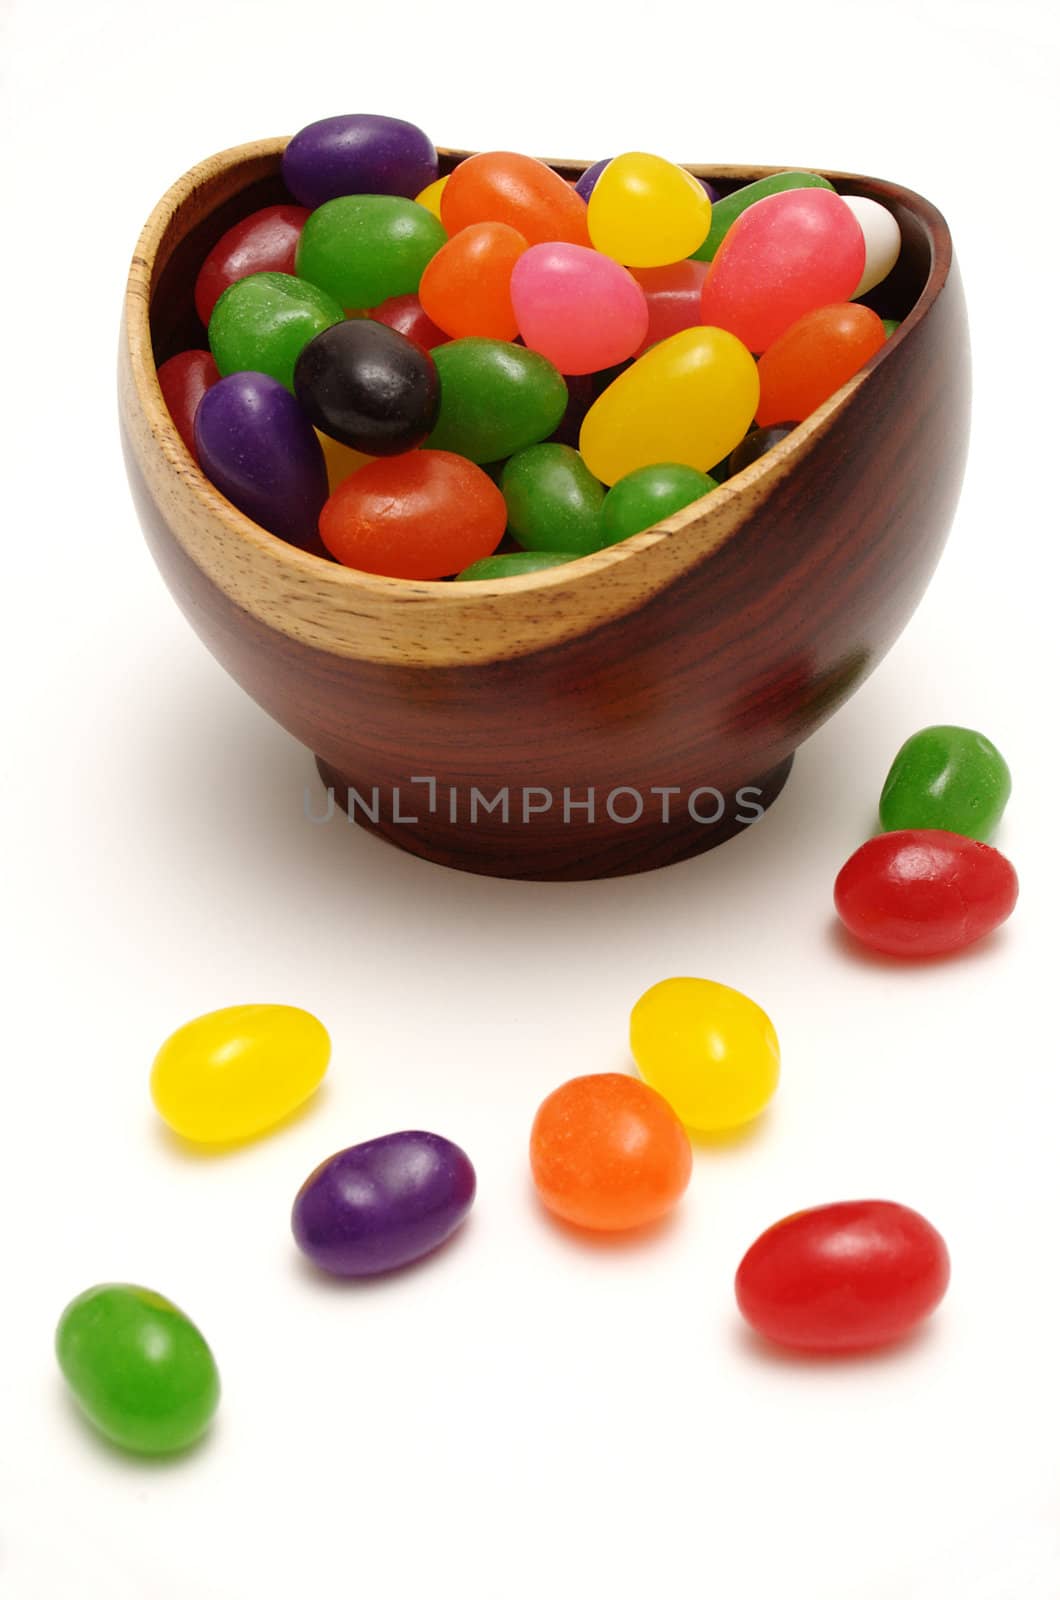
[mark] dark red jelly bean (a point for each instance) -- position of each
(404, 314)
(263, 242)
(183, 380)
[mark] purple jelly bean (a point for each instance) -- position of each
(588, 181)
(358, 154)
(383, 1204)
(257, 446)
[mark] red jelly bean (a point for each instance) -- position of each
(813, 358)
(405, 314)
(499, 186)
(924, 892)
(843, 1277)
(266, 241)
(466, 288)
(183, 380)
(673, 294)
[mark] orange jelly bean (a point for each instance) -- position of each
(607, 1152)
(466, 287)
(814, 358)
(499, 186)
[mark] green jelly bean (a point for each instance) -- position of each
(497, 398)
(140, 1371)
(944, 777)
(554, 502)
(890, 325)
(263, 323)
(364, 248)
(515, 564)
(645, 497)
(731, 206)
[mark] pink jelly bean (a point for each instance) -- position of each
(674, 296)
(580, 309)
(786, 255)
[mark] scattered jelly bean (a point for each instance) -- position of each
(363, 249)
(553, 500)
(689, 399)
(784, 256)
(183, 380)
(428, 514)
(883, 240)
(431, 197)
(755, 445)
(266, 241)
(843, 1278)
(813, 358)
(726, 210)
(645, 497)
(673, 295)
(607, 1152)
(590, 178)
(578, 308)
(383, 1204)
(924, 892)
(369, 387)
(405, 314)
(515, 564)
(497, 398)
(709, 1050)
(262, 323)
(891, 325)
(139, 1369)
(949, 778)
(358, 155)
(647, 212)
(340, 460)
(499, 186)
(256, 445)
(467, 287)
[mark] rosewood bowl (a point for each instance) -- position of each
(621, 712)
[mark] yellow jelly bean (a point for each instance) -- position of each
(707, 1049)
(236, 1072)
(647, 212)
(340, 459)
(431, 197)
(690, 399)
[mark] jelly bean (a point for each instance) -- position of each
(431, 197)
(467, 287)
(578, 308)
(673, 296)
(406, 315)
(607, 1153)
(755, 445)
(340, 460)
(515, 564)
(883, 240)
(383, 1204)
(689, 399)
(266, 241)
(786, 255)
(842, 1278)
(591, 176)
(924, 892)
(646, 212)
(361, 155)
(234, 1073)
(709, 1050)
(365, 248)
(183, 380)
(424, 515)
(139, 1369)
(949, 778)
(258, 447)
(262, 323)
(499, 186)
(497, 398)
(369, 387)
(813, 358)
(731, 206)
(554, 502)
(645, 497)
(891, 325)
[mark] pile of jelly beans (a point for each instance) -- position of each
(495, 371)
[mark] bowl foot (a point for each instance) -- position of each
(535, 835)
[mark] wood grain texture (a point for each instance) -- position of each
(700, 653)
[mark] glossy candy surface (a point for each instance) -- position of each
(405, 314)
(579, 308)
(262, 323)
(515, 564)
(139, 1369)
(647, 212)
(431, 197)
(726, 210)
(946, 777)
(383, 1204)
(553, 500)
(924, 892)
(363, 249)
(756, 444)
(844, 1277)
(689, 399)
(266, 241)
(183, 380)
(708, 1049)
(813, 358)
(424, 515)
(607, 1152)
(500, 186)
(673, 295)
(883, 240)
(234, 1073)
(467, 287)
(368, 387)
(358, 154)
(646, 496)
(786, 255)
(497, 398)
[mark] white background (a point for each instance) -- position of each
(527, 1414)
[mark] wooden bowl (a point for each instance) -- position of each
(670, 677)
